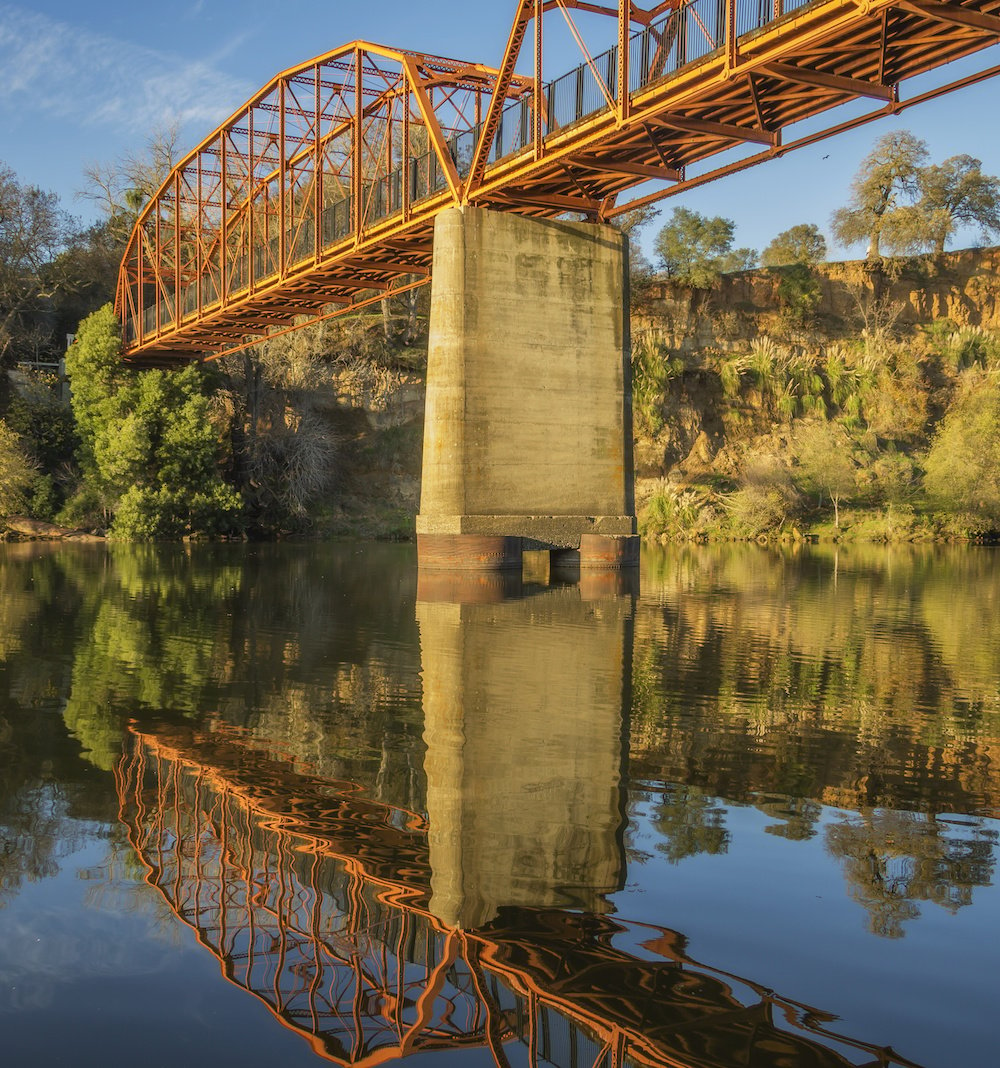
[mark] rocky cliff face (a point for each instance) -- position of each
(961, 286)
(698, 430)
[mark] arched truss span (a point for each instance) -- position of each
(319, 195)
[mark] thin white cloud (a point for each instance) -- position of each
(94, 80)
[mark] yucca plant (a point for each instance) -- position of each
(672, 511)
(731, 375)
(763, 362)
(972, 346)
(788, 400)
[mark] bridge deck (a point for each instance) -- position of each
(319, 195)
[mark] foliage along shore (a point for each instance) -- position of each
(849, 401)
(842, 400)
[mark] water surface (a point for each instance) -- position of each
(283, 804)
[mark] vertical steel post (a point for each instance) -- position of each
(317, 177)
(539, 17)
(389, 106)
(407, 97)
(282, 216)
(223, 217)
(177, 248)
(251, 171)
(624, 26)
(356, 183)
(730, 35)
(140, 275)
(200, 246)
(158, 268)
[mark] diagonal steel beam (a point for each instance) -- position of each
(718, 129)
(822, 79)
(433, 128)
(523, 15)
(952, 14)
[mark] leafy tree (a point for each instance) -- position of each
(33, 231)
(641, 274)
(695, 249)
(16, 471)
(955, 193)
(149, 449)
(44, 422)
(90, 263)
(963, 465)
(824, 463)
(888, 173)
(632, 222)
(799, 291)
(765, 502)
(97, 372)
(801, 244)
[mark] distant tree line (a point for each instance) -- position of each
(899, 205)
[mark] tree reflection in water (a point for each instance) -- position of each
(893, 860)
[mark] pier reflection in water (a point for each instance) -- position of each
(526, 700)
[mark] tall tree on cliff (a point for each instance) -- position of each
(881, 195)
(695, 249)
(801, 244)
(956, 193)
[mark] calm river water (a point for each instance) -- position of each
(274, 805)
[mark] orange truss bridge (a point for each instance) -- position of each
(319, 195)
(314, 899)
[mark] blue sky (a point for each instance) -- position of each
(85, 82)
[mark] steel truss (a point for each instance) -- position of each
(319, 195)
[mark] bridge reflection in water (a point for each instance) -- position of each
(376, 932)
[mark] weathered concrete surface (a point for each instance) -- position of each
(528, 420)
(524, 719)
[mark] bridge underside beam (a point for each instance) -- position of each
(528, 428)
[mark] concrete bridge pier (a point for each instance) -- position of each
(528, 426)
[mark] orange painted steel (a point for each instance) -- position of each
(319, 195)
(314, 898)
